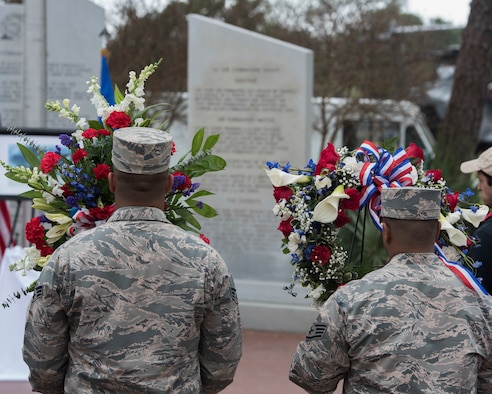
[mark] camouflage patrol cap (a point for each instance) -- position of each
(141, 150)
(411, 203)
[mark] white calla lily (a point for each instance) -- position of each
(281, 178)
(326, 211)
(456, 237)
(476, 217)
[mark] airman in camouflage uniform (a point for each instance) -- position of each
(410, 327)
(135, 305)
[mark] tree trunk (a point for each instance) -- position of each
(458, 134)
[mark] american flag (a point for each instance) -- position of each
(5, 227)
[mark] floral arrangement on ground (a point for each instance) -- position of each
(70, 184)
(313, 203)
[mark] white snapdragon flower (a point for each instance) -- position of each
(414, 174)
(321, 181)
(82, 124)
(31, 258)
(78, 137)
(352, 163)
(316, 293)
(294, 241)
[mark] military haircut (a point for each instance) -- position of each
(134, 185)
(412, 232)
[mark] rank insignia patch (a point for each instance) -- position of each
(316, 331)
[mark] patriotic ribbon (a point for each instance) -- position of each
(461, 272)
(381, 169)
(83, 221)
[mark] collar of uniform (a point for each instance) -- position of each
(138, 213)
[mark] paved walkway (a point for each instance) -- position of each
(264, 367)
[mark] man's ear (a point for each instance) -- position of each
(438, 231)
(170, 181)
(111, 182)
(386, 232)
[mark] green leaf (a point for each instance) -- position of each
(16, 177)
(206, 210)
(206, 164)
(31, 194)
(200, 193)
(29, 155)
(118, 96)
(95, 124)
(197, 141)
(183, 216)
(211, 141)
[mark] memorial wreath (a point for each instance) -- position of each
(313, 202)
(69, 185)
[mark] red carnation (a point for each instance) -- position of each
(101, 213)
(78, 155)
(342, 219)
(205, 239)
(320, 255)
(35, 232)
(90, 133)
(101, 171)
(435, 174)
(285, 227)
(452, 200)
(328, 160)
(118, 119)
(351, 203)
(282, 192)
(415, 152)
(173, 149)
(46, 250)
(66, 190)
(49, 161)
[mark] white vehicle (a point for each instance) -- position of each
(349, 122)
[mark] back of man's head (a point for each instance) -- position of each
(410, 219)
(141, 158)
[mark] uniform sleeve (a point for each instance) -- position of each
(221, 335)
(482, 252)
(321, 360)
(46, 336)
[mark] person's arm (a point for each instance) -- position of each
(483, 252)
(321, 360)
(46, 337)
(221, 336)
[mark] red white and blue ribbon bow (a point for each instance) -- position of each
(83, 221)
(381, 169)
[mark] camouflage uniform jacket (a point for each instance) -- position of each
(409, 327)
(136, 305)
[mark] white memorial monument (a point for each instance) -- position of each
(48, 50)
(256, 92)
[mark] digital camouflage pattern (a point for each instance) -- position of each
(141, 150)
(136, 305)
(410, 327)
(410, 203)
